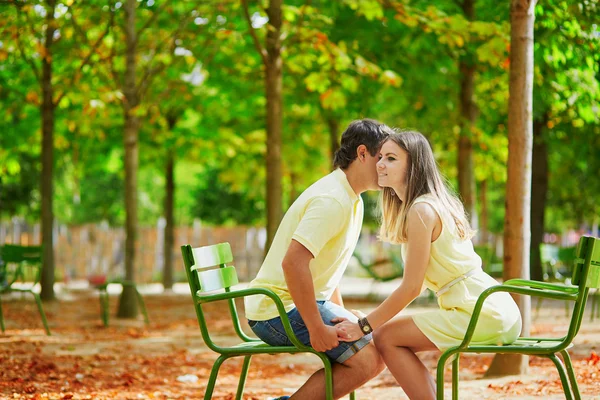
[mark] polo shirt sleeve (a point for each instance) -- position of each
(323, 219)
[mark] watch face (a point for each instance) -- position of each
(365, 329)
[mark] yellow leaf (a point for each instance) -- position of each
(32, 97)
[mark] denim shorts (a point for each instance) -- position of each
(271, 331)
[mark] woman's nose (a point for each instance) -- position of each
(379, 164)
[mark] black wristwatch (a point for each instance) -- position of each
(364, 326)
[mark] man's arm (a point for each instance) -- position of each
(336, 297)
(300, 283)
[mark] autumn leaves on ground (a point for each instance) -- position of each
(168, 359)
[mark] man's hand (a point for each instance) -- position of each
(324, 338)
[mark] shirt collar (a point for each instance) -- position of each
(340, 175)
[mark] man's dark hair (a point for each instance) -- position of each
(366, 131)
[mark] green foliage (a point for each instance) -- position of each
(203, 100)
(218, 204)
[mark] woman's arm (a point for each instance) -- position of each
(422, 221)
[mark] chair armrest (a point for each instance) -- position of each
(254, 291)
(509, 289)
(542, 285)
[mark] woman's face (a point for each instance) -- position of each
(392, 167)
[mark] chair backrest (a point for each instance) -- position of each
(207, 270)
(586, 275)
(21, 255)
(209, 264)
(18, 254)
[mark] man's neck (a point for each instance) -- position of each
(354, 179)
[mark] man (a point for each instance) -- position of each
(307, 259)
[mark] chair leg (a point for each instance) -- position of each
(571, 373)
(39, 305)
(104, 306)
(1, 316)
(213, 377)
(563, 376)
(142, 306)
(440, 374)
(455, 377)
(596, 295)
(328, 376)
(240, 389)
(593, 307)
(538, 306)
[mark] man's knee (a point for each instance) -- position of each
(368, 361)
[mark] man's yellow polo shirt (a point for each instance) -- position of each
(326, 219)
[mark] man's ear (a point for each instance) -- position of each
(361, 152)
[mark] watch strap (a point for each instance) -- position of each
(364, 326)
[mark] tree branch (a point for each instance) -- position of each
(87, 59)
(261, 50)
(152, 18)
(76, 25)
(28, 60)
(151, 72)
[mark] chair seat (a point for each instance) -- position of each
(260, 347)
(521, 346)
(531, 342)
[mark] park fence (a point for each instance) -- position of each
(91, 250)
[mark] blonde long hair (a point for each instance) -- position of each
(423, 177)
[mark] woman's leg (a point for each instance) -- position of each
(397, 342)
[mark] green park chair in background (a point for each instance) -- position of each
(104, 307)
(21, 264)
(586, 275)
(551, 262)
(211, 279)
(383, 270)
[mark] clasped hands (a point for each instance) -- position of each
(348, 331)
(327, 337)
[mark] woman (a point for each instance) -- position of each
(420, 213)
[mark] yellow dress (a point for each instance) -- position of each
(500, 319)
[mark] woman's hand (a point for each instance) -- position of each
(348, 331)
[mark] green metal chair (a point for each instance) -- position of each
(549, 255)
(383, 270)
(204, 278)
(586, 275)
(27, 262)
(104, 308)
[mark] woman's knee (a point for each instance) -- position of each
(381, 337)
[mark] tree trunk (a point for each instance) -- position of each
(128, 304)
(468, 111)
(273, 77)
(517, 229)
(169, 240)
(47, 114)
(334, 142)
(484, 228)
(539, 190)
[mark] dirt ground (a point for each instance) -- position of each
(128, 360)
